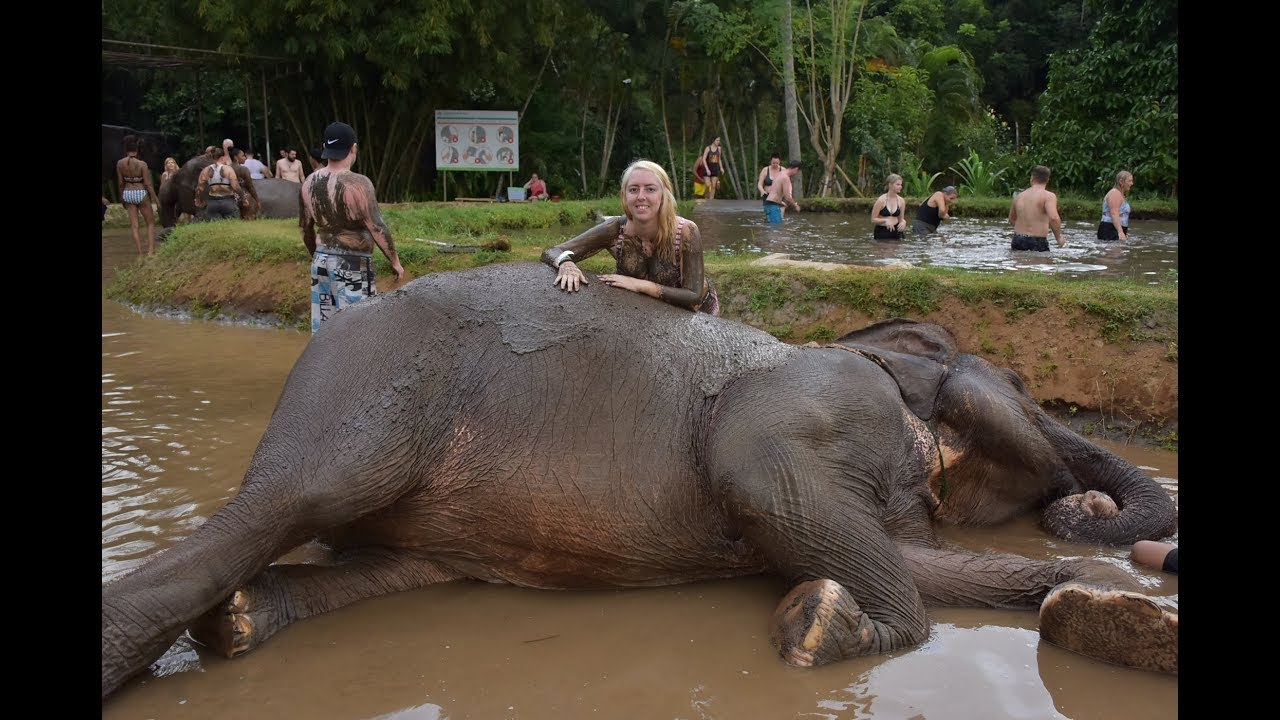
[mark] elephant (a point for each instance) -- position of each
(505, 431)
(277, 198)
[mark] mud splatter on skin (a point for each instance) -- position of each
(343, 208)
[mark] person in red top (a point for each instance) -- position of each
(537, 189)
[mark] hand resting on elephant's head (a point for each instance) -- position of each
(658, 446)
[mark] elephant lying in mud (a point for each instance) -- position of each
(507, 432)
(277, 198)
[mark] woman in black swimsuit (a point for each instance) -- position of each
(767, 173)
(887, 216)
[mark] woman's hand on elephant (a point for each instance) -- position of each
(621, 281)
(569, 277)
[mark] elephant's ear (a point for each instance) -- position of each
(913, 353)
(925, 340)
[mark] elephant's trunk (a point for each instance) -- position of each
(1145, 509)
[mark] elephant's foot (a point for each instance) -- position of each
(1116, 626)
(819, 622)
(228, 629)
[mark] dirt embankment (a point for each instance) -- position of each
(1119, 389)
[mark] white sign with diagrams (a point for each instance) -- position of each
(483, 140)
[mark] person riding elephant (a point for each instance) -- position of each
(508, 433)
(277, 199)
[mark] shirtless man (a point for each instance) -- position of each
(289, 167)
(342, 204)
(1034, 212)
(780, 193)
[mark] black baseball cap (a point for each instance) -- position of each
(338, 139)
(794, 164)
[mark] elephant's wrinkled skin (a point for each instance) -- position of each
(508, 432)
(278, 198)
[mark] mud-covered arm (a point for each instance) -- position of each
(358, 194)
(692, 290)
(202, 185)
(307, 221)
(247, 184)
(585, 245)
(120, 179)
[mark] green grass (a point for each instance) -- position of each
(1122, 309)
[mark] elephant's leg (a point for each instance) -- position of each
(286, 499)
(855, 595)
(284, 594)
(1125, 628)
(1087, 606)
(819, 622)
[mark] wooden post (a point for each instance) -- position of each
(248, 113)
(266, 126)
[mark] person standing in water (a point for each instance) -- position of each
(887, 217)
(1034, 213)
(780, 194)
(1115, 209)
(934, 210)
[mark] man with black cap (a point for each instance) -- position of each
(341, 223)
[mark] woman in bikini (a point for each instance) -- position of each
(658, 253)
(136, 193)
(887, 216)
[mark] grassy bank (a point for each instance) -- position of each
(1082, 343)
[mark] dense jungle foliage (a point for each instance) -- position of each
(855, 88)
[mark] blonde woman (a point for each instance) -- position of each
(1115, 209)
(170, 169)
(658, 253)
(887, 215)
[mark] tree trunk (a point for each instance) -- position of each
(789, 100)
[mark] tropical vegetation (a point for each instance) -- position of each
(857, 89)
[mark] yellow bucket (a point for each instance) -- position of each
(699, 189)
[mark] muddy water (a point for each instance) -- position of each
(183, 406)
(980, 244)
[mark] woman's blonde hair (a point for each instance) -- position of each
(893, 178)
(662, 246)
(1122, 176)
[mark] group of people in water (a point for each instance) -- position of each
(1033, 212)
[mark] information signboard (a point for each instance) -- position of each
(480, 140)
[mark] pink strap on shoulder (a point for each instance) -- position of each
(679, 227)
